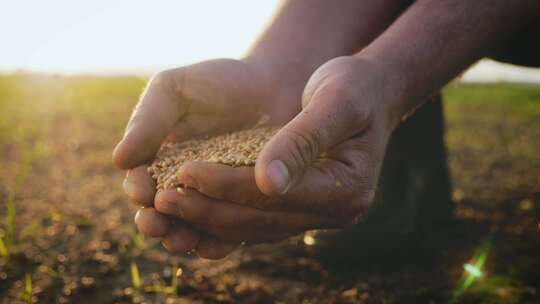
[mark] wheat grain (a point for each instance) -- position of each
(235, 149)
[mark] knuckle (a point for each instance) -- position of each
(342, 85)
(163, 77)
(348, 99)
(341, 89)
(331, 77)
(171, 81)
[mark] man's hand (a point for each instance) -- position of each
(319, 171)
(199, 100)
(203, 99)
(218, 96)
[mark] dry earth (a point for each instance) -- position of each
(68, 236)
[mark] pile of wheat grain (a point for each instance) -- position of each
(235, 149)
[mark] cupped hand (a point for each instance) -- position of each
(199, 100)
(319, 171)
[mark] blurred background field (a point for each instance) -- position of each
(66, 231)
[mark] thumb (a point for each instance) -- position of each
(329, 117)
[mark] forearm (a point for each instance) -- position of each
(434, 41)
(306, 33)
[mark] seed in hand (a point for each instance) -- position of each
(235, 149)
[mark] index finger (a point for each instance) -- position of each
(154, 116)
(336, 186)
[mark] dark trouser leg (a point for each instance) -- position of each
(414, 179)
(413, 197)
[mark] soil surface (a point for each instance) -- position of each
(67, 234)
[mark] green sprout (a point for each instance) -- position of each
(27, 296)
(137, 238)
(176, 272)
(4, 250)
(49, 271)
(8, 240)
(135, 277)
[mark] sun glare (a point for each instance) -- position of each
(473, 270)
(125, 36)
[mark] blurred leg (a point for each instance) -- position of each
(415, 180)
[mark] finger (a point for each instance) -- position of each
(151, 223)
(232, 222)
(338, 186)
(139, 186)
(233, 184)
(212, 248)
(181, 239)
(212, 85)
(329, 117)
(155, 115)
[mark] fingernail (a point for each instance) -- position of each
(278, 174)
(129, 187)
(182, 191)
(136, 219)
(119, 155)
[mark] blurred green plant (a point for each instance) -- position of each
(172, 289)
(135, 276)
(176, 272)
(9, 239)
(137, 238)
(4, 251)
(27, 294)
(49, 271)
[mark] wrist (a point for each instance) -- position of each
(280, 85)
(280, 72)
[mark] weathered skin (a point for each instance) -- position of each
(355, 85)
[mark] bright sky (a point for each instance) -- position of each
(124, 36)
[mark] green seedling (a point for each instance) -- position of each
(4, 251)
(135, 277)
(31, 230)
(27, 296)
(137, 238)
(48, 270)
(176, 272)
(8, 241)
